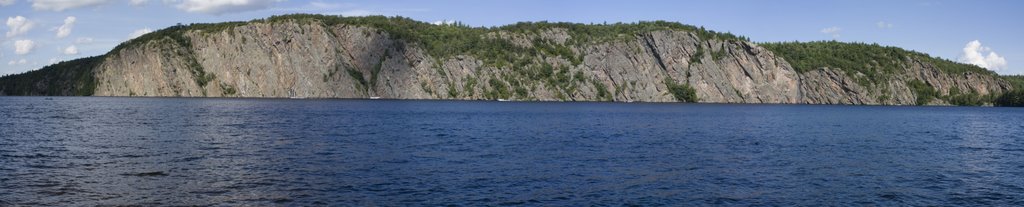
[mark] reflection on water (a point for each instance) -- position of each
(156, 151)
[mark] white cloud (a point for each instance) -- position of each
(443, 22)
(884, 25)
(65, 30)
(22, 47)
(139, 32)
(834, 31)
(19, 62)
(218, 7)
(6, 2)
(974, 54)
(138, 2)
(84, 40)
(53, 60)
(61, 5)
(18, 25)
(71, 50)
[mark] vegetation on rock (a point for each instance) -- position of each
(871, 64)
(874, 61)
(1014, 98)
(681, 92)
(925, 93)
(547, 56)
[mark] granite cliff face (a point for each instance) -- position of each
(832, 86)
(309, 58)
(290, 59)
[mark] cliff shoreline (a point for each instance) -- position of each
(397, 58)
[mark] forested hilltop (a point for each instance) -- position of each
(394, 57)
(874, 66)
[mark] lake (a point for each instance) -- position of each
(85, 151)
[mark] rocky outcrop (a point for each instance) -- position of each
(302, 59)
(744, 73)
(158, 68)
(833, 86)
(309, 60)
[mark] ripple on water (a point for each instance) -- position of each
(151, 151)
(147, 174)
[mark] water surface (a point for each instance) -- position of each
(177, 151)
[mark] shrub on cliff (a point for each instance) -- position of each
(682, 92)
(873, 60)
(1013, 98)
(925, 93)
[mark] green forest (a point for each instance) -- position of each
(67, 78)
(1013, 98)
(872, 60)
(877, 63)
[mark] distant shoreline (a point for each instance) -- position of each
(484, 100)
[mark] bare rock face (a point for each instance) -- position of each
(296, 59)
(153, 69)
(833, 86)
(744, 73)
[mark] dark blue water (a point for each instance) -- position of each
(156, 151)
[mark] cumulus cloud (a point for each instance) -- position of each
(834, 31)
(6, 2)
(883, 25)
(973, 53)
(22, 47)
(18, 25)
(218, 7)
(71, 50)
(19, 62)
(443, 22)
(61, 5)
(139, 32)
(65, 30)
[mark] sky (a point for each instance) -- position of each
(981, 32)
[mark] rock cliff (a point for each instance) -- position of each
(331, 57)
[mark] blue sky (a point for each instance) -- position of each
(986, 33)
